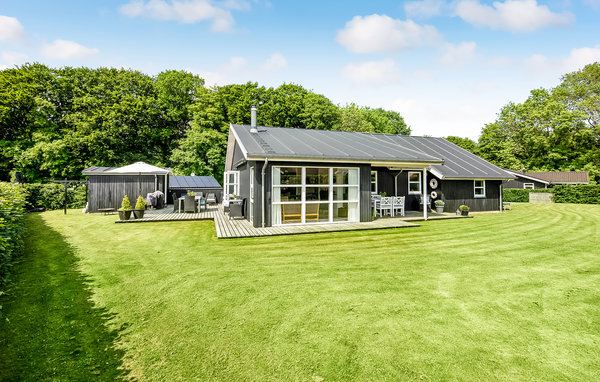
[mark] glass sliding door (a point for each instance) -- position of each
(304, 195)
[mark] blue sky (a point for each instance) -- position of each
(447, 67)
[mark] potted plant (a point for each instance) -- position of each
(383, 194)
(464, 210)
(125, 210)
(140, 207)
(439, 206)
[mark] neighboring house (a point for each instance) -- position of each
(301, 176)
(546, 179)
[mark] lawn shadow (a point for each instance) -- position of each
(49, 326)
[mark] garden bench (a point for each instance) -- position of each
(107, 211)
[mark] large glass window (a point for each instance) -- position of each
(315, 195)
(479, 187)
(232, 183)
(414, 182)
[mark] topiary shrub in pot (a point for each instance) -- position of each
(439, 206)
(140, 207)
(125, 210)
(464, 210)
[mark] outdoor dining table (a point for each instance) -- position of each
(182, 198)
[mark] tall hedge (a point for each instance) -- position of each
(581, 194)
(51, 196)
(12, 226)
(520, 194)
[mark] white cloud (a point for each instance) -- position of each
(276, 62)
(372, 72)
(456, 56)
(11, 59)
(66, 50)
(542, 66)
(381, 33)
(500, 61)
(424, 8)
(11, 29)
(226, 73)
(511, 15)
(190, 11)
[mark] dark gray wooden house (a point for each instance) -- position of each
(299, 176)
(545, 179)
(108, 185)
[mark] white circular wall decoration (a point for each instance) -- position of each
(433, 195)
(433, 183)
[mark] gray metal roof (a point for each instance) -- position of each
(458, 162)
(326, 145)
(189, 182)
(447, 160)
(96, 170)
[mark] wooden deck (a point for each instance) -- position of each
(236, 228)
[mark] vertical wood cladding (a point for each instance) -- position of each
(107, 191)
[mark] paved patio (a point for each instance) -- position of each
(236, 228)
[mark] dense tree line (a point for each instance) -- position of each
(56, 122)
(553, 130)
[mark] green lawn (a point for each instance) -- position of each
(512, 296)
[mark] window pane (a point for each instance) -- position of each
(479, 191)
(289, 175)
(353, 176)
(479, 183)
(414, 187)
(290, 213)
(317, 212)
(289, 194)
(340, 176)
(414, 177)
(317, 193)
(373, 176)
(340, 212)
(317, 176)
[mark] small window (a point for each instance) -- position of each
(479, 186)
(528, 186)
(374, 182)
(414, 182)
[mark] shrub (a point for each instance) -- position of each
(12, 226)
(126, 204)
(51, 196)
(520, 194)
(463, 207)
(439, 203)
(581, 193)
(140, 204)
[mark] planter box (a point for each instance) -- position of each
(138, 214)
(124, 215)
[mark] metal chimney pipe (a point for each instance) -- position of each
(253, 117)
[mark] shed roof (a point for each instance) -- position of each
(189, 182)
(447, 160)
(137, 168)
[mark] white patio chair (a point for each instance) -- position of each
(386, 204)
(398, 205)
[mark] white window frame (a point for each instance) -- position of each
(419, 182)
(251, 207)
(374, 182)
(235, 183)
(482, 188)
(528, 186)
(330, 201)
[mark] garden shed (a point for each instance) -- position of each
(180, 185)
(108, 185)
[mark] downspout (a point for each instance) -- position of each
(501, 198)
(396, 182)
(264, 168)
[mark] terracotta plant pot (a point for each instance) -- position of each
(138, 214)
(124, 215)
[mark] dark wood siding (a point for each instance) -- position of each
(107, 191)
(457, 192)
(519, 182)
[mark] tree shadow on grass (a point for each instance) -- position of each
(49, 327)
